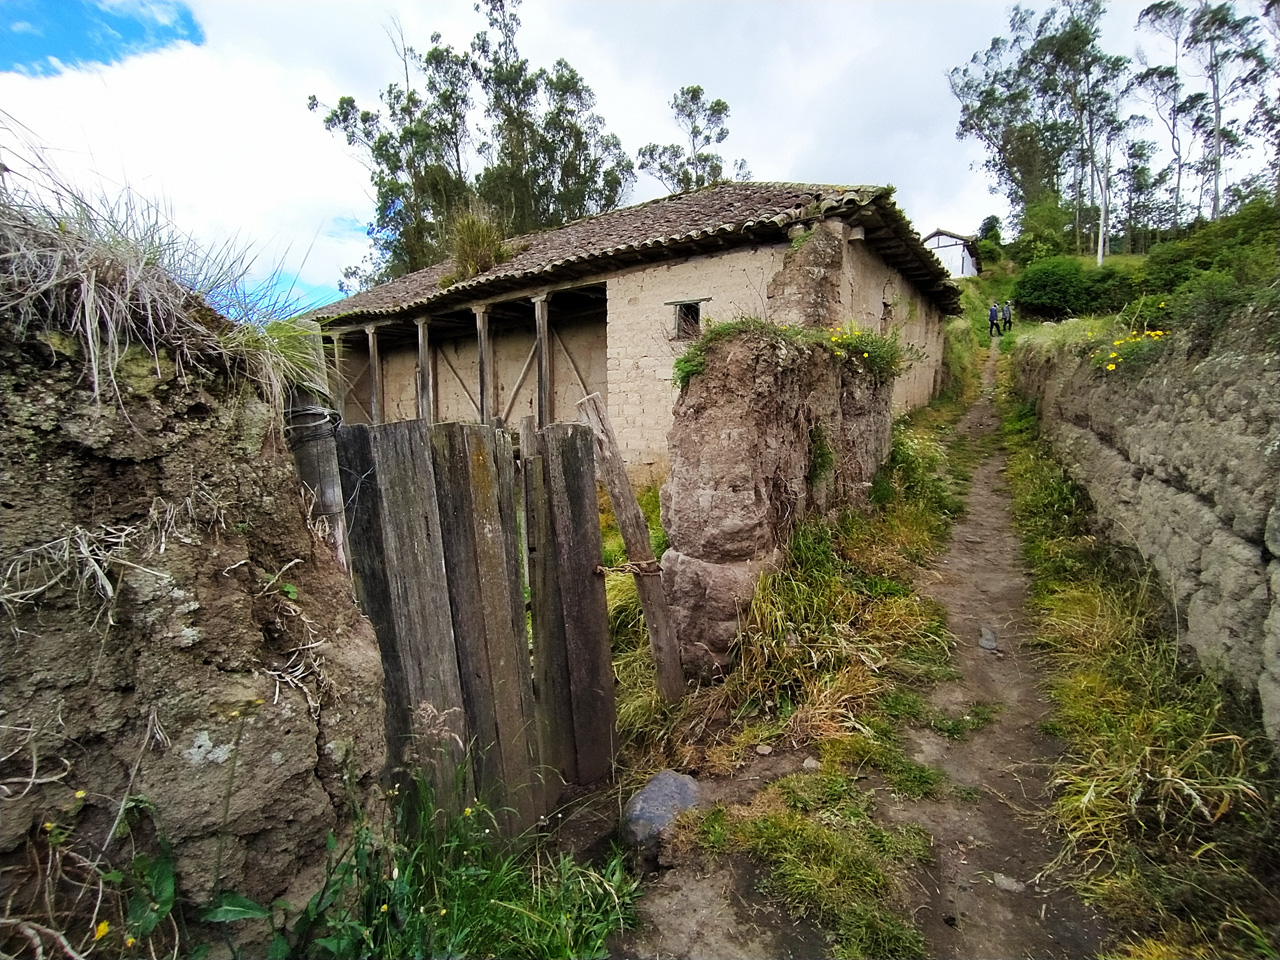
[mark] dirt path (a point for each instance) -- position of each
(977, 899)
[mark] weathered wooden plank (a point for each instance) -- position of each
(371, 577)
(546, 386)
(553, 707)
(520, 743)
(635, 533)
(453, 491)
(414, 555)
(575, 522)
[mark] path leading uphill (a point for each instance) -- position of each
(979, 897)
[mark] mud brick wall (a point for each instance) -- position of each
(1182, 459)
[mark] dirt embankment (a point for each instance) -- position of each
(183, 659)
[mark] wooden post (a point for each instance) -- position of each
(546, 385)
(309, 426)
(426, 371)
(493, 652)
(575, 527)
(553, 704)
(488, 376)
(635, 533)
(375, 377)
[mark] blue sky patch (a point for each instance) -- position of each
(41, 38)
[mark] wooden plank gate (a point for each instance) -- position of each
(448, 532)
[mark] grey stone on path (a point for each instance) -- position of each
(764, 749)
(655, 807)
(811, 764)
(988, 639)
(1008, 884)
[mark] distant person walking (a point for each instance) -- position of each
(993, 319)
(1008, 315)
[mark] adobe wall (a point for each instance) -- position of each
(1182, 459)
(825, 281)
(642, 346)
(743, 474)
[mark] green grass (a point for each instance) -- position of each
(826, 859)
(1167, 792)
(431, 883)
(880, 357)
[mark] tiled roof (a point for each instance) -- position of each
(685, 224)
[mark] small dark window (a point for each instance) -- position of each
(688, 321)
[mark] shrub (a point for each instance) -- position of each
(1052, 288)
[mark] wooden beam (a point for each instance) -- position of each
(635, 533)
(375, 377)
(426, 374)
(488, 404)
(546, 386)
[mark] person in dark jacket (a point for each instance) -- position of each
(1008, 315)
(993, 319)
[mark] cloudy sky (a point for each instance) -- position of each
(202, 104)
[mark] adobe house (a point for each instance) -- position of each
(606, 304)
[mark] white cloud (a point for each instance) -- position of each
(844, 92)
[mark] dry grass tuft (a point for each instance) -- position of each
(117, 276)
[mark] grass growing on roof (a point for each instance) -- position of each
(1168, 789)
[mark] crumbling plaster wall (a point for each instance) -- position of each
(169, 688)
(1182, 459)
(747, 433)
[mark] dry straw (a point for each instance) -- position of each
(118, 276)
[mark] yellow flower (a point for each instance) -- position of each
(48, 825)
(443, 911)
(80, 794)
(1161, 303)
(101, 930)
(1114, 354)
(866, 354)
(383, 908)
(1111, 366)
(466, 812)
(129, 941)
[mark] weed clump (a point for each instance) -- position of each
(826, 858)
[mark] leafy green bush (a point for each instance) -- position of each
(1052, 288)
(1107, 290)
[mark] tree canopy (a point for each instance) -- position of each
(1064, 121)
(544, 155)
(703, 123)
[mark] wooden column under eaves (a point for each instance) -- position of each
(426, 374)
(488, 375)
(375, 376)
(546, 393)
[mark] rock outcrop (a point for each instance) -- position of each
(1182, 459)
(769, 433)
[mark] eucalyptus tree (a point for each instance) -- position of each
(1162, 87)
(703, 123)
(1233, 63)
